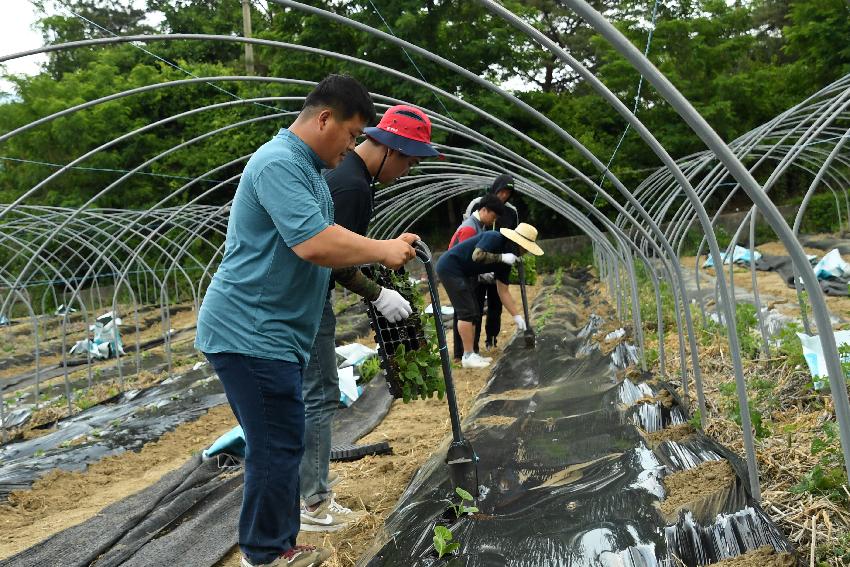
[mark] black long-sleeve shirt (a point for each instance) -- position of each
(351, 189)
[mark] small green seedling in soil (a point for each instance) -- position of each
(696, 420)
(461, 509)
(443, 543)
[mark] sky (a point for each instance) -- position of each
(17, 34)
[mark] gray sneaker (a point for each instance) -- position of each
(328, 517)
(298, 556)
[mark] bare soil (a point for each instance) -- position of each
(773, 292)
(761, 557)
(678, 433)
(684, 488)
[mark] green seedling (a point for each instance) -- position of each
(419, 372)
(696, 420)
(461, 509)
(443, 543)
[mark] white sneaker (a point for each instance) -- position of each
(328, 517)
(473, 360)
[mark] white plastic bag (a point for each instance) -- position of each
(354, 354)
(740, 255)
(348, 390)
(832, 265)
(446, 310)
(815, 360)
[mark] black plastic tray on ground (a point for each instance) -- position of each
(389, 336)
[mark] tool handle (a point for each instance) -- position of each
(424, 254)
(521, 273)
(422, 251)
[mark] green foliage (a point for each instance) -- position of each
(821, 214)
(549, 309)
(733, 409)
(827, 477)
(788, 344)
(649, 301)
(530, 263)
(839, 550)
(816, 34)
(443, 543)
(696, 420)
(369, 368)
(746, 327)
(420, 371)
(739, 63)
(550, 262)
(410, 291)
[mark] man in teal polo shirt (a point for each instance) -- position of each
(262, 309)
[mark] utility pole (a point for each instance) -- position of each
(246, 31)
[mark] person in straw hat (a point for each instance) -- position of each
(460, 266)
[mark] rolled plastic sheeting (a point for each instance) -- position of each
(185, 518)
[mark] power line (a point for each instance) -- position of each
(109, 170)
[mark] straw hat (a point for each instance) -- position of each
(525, 235)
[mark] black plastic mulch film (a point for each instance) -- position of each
(566, 477)
(408, 332)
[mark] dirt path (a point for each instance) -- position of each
(772, 289)
(64, 499)
(415, 431)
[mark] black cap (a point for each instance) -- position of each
(492, 202)
(504, 181)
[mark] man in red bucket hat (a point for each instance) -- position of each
(391, 149)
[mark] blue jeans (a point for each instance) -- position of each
(266, 397)
(321, 398)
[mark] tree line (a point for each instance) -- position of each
(740, 63)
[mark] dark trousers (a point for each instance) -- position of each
(494, 313)
(266, 397)
(480, 294)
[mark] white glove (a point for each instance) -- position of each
(508, 258)
(520, 323)
(488, 278)
(392, 305)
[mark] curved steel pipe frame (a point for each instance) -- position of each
(636, 233)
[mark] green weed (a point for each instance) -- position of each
(827, 477)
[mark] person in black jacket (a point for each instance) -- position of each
(391, 149)
(503, 188)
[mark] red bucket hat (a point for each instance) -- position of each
(404, 129)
